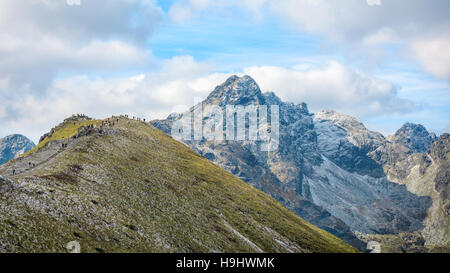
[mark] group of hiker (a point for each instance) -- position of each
(138, 119)
(30, 165)
(89, 129)
(134, 118)
(109, 123)
(81, 116)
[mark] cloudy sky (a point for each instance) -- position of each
(384, 61)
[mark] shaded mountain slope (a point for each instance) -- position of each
(430, 176)
(134, 189)
(412, 157)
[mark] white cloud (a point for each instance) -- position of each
(40, 39)
(332, 87)
(179, 13)
(374, 2)
(434, 55)
(42, 42)
(151, 95)
(354, 20)
(377, 23)
(181, 79)
(131, 20)
(382, 36)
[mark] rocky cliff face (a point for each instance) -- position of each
(347, 142)
(403, 150)
(12, 146)
(437, 230)
(440, 154)
(429, 175)
(412, 157)
(328, 167)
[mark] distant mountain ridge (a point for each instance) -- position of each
(14, 145)
(329, 168)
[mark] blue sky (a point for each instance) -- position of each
(238, 40)
(233, 43)
(384, 62)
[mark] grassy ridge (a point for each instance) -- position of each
(138, 190)
(65, 130)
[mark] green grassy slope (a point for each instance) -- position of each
(63, 131)
(138, 190)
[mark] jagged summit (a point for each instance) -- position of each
(414, 137)
(237, 91)
(245, 91)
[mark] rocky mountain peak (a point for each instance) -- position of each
(323, 160)
(12, 146)
(414, 137)
(237, 90)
